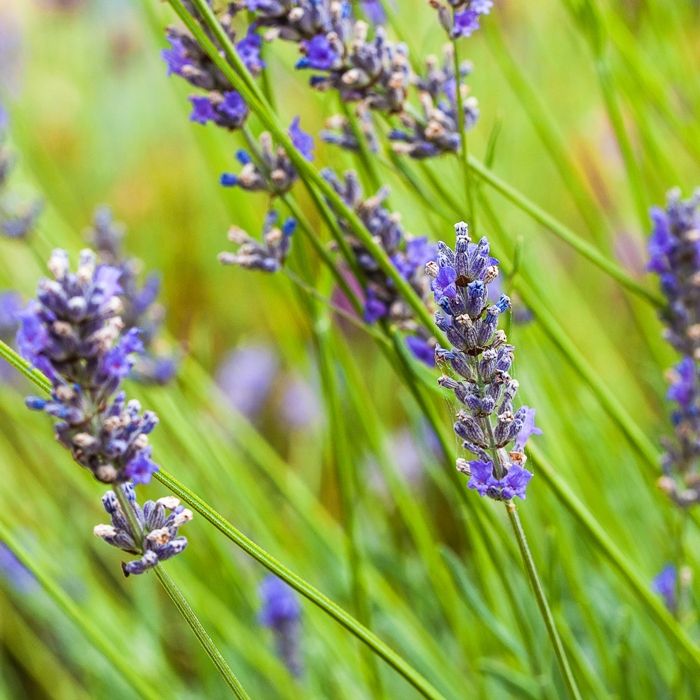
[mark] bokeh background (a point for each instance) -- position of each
(94, 120)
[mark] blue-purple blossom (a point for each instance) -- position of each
(434, 130)
(303, 142)
(140, 308)
(478, 365)
(300, 407)
(159, 522)
(271, 171)
(281, 612)
(268, 255)
(665, 585)
(319, 53)
(73, 333)
(14, 572)
(422, 349)
(249, 50)
(674, 255)
(460, 18)
(245, 377)
(374, 10)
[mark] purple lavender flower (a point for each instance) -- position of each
(246, 376)
(218, 103)
(300, 407)
(319, 53)
(303, 142)
(72, 333)
(139, 301)
(266, 256)
(479, 363)
(281, 612)
(249, 50)
(436, 130)
(422, 349)
(665, 585)
(374, 10)
(158, 540)
(14, 572)
(460, 18)
(271, 172)
(674, 255)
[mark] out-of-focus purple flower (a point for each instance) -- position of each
(303, 142)
(674, 254)
(375, 309)
(246, 376)
(479, 363)
(281, 612)
(268, 255)
(319, 53)
(249, 50)
(140, 308)
(421, 349)
(300, 406)
(14, 572)
(73, 333)
(374, 10)
(10, 308)
(460, 18)
(159, 522)
(665, 585)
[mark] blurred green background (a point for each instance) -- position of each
(94, 120)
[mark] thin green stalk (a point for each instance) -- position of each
(115, 656)
(464, 146)
(181, 603)
(547, 130)
(639, 586)
(205, 640)
(542, 603)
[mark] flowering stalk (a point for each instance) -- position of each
(674, 255)
(479, 360)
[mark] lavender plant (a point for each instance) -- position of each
(281, 612)
(460, 18)
(73, 333)
(480, 359)
(157, 536)
(139, 306)
(674, 255)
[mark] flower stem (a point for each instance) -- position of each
(542, 603)
(464, 150)
(205, 640)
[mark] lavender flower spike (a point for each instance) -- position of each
(158, 539)
(73, 333)
(281, 612)
(478, 364)
(674, 254)
(268, 256)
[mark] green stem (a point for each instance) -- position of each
(542, 603)
(115, 656)
(205, 640)
(464, 148)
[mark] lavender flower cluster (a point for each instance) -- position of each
(74, 334)
(139, 307)
(367, 68)
(460, 18)
(159, 522)
(479, 363)
(281, 612)
(674, 255)
(409, 255)
(216, 102)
